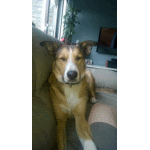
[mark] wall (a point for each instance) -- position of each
(95, 14)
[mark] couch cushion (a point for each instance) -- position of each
(33, 77)
(43, 121)
(104, 77)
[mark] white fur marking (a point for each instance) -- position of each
(71, 97)
(70, 66)
(94, 100)
(88, 144)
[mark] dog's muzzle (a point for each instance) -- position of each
(72, 75)
(72, 78)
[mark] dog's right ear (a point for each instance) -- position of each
(86, 47)
(52, 47)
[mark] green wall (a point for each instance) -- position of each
(95, 14)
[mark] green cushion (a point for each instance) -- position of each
(43, 122)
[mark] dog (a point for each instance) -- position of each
(72, 85)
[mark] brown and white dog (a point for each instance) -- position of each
(71, 87)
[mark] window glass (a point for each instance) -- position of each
(45, 13)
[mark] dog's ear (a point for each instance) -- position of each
(86, 47)
(52, 47)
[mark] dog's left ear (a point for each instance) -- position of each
(52, 47)
(86, 47)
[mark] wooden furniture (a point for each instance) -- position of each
(107, 41)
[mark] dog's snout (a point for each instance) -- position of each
(72, 75)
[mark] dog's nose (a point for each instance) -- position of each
(72, 75)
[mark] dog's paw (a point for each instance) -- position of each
(89, 145)
(94, 100)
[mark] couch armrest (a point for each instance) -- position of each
(41, 59)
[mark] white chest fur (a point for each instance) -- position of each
(72, 97)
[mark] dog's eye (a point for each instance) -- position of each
(63, 59)
(78, 58)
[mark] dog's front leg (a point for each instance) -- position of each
(61, 135)
(83, 129)
(61, 132)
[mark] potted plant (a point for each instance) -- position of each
(70, 19)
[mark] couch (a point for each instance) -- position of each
(43, 119)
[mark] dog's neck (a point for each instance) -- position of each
(53, 77)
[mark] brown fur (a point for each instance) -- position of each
(63, 104)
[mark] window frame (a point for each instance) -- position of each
(45, 22)
(59, 24)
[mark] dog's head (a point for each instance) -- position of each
(69, 60)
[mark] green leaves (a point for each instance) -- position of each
(70, 19)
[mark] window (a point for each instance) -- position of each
(47, 15)
(38, 13)
(62, 26)
(51, 17)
